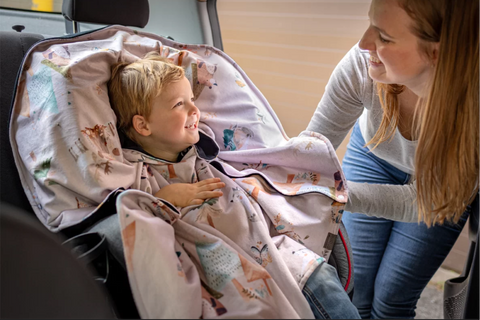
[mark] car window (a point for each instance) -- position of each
(34, 5)
(46, 24)
(180, 20)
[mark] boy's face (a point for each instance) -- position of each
(173, 122)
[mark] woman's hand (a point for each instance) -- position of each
(187, 194)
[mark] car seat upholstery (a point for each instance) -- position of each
(460, 295)
(40, 277)
(13, 47)
(13, 202)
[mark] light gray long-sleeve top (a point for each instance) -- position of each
(350, 95)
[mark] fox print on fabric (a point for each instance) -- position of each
(205, 72)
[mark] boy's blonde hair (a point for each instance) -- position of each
(133, 86)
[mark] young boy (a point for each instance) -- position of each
(155, 109)
(161, 117)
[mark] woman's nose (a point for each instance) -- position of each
(368, 40)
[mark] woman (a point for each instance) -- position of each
(410, 90)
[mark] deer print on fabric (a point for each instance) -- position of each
(101, 166)
(98, 136)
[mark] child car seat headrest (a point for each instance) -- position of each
(124, 12)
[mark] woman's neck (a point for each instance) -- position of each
(408, 103)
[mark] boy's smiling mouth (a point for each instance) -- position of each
(191, 126)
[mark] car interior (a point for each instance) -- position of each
(73, 273)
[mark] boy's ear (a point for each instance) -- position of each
(141, 125)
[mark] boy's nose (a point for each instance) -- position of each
(193, 109)
(368, 40)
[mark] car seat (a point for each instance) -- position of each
(14, 46)
(460, 296)
(87, 11)
(41, 278)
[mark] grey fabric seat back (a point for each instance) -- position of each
(41, 278)
(13, 47)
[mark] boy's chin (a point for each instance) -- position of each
(197, 138)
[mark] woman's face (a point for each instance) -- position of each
(395, 56)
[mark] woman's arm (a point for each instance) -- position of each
(343, 101)
(348, 92)
(394, 202)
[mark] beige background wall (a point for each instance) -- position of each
(289, 49)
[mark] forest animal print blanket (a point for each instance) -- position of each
(290, 192)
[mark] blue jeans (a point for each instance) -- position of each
(393, 261)
(326, 296)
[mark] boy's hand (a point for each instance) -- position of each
(187, 194)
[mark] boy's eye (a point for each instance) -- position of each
(178, 104)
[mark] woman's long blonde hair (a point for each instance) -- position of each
(447, 122)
